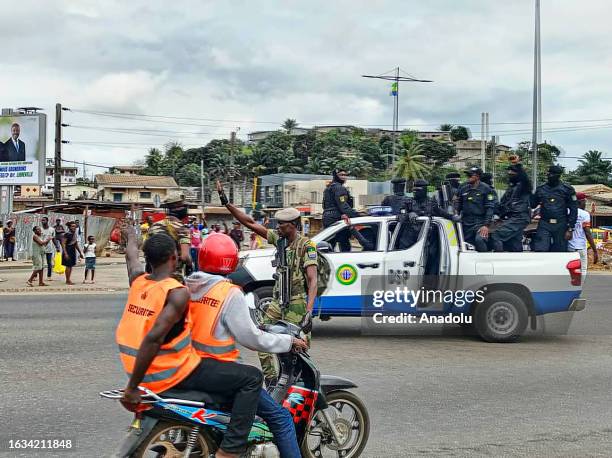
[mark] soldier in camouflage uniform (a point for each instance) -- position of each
(302, 261)
(174, 226)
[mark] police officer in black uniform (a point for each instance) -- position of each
(558, 212)
(476, 204)
(514, 212)
(419, 205)
(337, 202)
(399, 198)
(487, 178)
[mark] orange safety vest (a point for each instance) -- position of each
(176, 359)
(204, 314)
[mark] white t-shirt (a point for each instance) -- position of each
(90, 250)
(579, 241)
(48, 233)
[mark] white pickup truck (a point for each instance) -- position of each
(517, 287)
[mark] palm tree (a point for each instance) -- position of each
(593, 168)
(412, 165)
(289, 124)
(446, 127)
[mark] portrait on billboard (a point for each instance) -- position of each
(22, 149)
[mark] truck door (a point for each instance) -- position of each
(404, 264)
(350, 269)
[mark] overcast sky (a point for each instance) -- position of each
(258, 63)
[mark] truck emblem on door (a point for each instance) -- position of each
(346, 274)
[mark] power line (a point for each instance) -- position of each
(147, 117)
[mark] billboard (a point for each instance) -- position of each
(22, 149)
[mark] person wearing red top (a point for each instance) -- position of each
(196, 240)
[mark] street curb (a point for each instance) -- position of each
(29, 266)
(63, 290)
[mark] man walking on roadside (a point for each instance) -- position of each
(48, 233)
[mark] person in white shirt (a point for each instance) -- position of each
(582, 234)
(90, 258)
(48, 232)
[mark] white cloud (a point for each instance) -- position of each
(272, 60)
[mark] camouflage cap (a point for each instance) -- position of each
(287, 215)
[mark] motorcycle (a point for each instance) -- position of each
(329, 420)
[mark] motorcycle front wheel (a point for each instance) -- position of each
(169, 440)
(352, 422)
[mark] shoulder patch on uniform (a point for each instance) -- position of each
(342, 198)
(311, 252)
(574, 197)
(490, 197)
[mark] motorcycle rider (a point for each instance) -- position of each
(155, 343)
(337, 201)
(399, 198)
(219, 317)
(514, 212)
(302, 257)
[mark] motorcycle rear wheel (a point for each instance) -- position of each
(169, 440)
(354, 429)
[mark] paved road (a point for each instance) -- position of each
(428, 395)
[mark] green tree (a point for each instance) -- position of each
(459, 133)
(437, 175)
(446, 127)
(289, 124)
(153, 162)
(412, 164)
(547, 156)
(437, 153)
(592, 169)
(188, 175)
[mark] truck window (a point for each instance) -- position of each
(362, 237)
(407, 235)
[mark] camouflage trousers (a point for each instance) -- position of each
(294, 314)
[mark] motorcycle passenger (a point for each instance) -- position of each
(399, 198)
(475, 204)
(302, 259)
(219, 317)
(155, 343)
(337, 201)
(558, 211)
(514, 212)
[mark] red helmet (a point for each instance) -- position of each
(218, 254)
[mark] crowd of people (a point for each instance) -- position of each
(196, 232)
(58, 248)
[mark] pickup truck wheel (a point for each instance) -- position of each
(501, 318)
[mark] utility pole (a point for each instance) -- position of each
(57, 170)
(396, 78)
(202, 187)
(231, 168)
(537, 101)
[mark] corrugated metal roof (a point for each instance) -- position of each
(108, 179)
